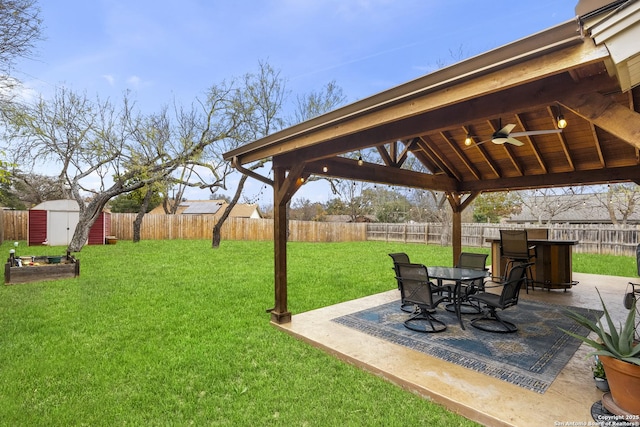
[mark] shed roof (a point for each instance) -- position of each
(63, 205)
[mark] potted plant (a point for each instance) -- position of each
(619, 354)
(599, 376)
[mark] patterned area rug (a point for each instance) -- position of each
(530, 358)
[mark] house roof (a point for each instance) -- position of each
(574, 208)
(210, 207)
(201, 207)
(587, 69)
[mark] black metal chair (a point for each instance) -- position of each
(631, 297)
(474, 261)
(401, 258)
(515, 248)
(419, 291)
(491, 321)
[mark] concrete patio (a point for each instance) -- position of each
(469, 393)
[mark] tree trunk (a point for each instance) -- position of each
(137, 223)
(88, 215)
(217, 228)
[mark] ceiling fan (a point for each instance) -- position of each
(504, 135)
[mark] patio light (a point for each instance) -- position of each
(562, 122)
(468, 140)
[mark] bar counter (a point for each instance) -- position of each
(552, 267)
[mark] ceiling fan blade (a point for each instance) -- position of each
(512, 140)
(536, 132)
(506, 129)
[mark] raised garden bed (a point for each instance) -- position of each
(37, 268)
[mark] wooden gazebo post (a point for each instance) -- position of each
(457, 206)
(284, 187)
(280, 313)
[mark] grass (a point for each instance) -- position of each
(176, 333)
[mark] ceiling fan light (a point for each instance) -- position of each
(562, 122)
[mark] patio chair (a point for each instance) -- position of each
(631, 298)
(491, 321)
(401, 258)
(477, 262)
(420, 291)
(515, 248)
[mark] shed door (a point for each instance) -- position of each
(61, 226)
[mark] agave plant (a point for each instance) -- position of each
(616, 343)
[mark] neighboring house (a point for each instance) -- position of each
(212, 207)
(569, 209)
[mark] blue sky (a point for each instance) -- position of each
(163, 49)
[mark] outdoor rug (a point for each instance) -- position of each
(531, 358)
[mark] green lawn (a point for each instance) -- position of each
(176, 333)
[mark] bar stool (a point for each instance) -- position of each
(514, 247)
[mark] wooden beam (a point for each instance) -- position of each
(543, 165)
(535, 79)
(439, 158)
(484, 153)
(470, 198)
(587, 177)
(456, 149)
(341, 167)
(291, 183)
(532, 95)
(562, 141)
(604, 112)
(429, 159)
(384, 155)
(598, 145)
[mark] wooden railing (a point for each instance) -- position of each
(602, 239)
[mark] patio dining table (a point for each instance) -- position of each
(459, 276)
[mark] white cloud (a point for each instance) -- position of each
(110, 79)
(134, 81)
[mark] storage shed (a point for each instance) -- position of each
(53, 223)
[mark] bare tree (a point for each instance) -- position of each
(259, 103)
(620, 201)
(315, 103)
(547, 203)
(20, 29)
(101, 151)
(36, 188)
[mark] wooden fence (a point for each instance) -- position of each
(598, 238)
(167, 227)
(602, 239)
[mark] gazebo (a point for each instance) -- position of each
(460, 122)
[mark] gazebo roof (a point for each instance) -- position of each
(586, 69)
